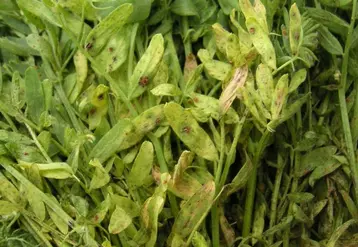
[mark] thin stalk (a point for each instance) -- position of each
(214, 89)
(309, 102)
(230, 156)
(38, 144)
(354, 121)
(286, 237)
(343, 105)
(275, 194)
(222, 153)
(66, 103)
(10, 122)
(163, 168)
(251, 188)
(214, 210)
(284, 65)
(187, 43)
(131, 50)
(36, 231)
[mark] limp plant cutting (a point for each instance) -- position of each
(178, 123)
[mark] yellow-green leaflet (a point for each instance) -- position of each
(295, 32)
(262, 42)
(100, 176)
(115, 53)
(166, 89)
(109, 26)
(8, 208)
(8, 190)
(142, 165)
(256, 11)
(189, 131)
(265, 84)
(57, 170)
(37, 205)
(111, 141)
(119, 221)
(211, 106)
(147, 66)
(279, 97)
(297, 79)
(221, 37)
(194, 211)
(39, 9)
(81, 66)
(182, 184)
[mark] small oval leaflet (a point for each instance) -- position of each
(100, 35)
(120, 220)
(189, 131)
(147, 66)
(142, 165)
(261, 42)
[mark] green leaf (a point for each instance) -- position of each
(339, 231)
(182, 184)
(194, 210)
(335, 4)
(239, 180)
(265, 84)
(111, 141)
(189, 131)
(279, 97)
(109, 26)
(115, 53)
(56, 170)
(300, 197)
(211, 106)
(8, 190)
(40, 44)
(17, 46)
(119, 221)
(318, 157)
(131, 207)
(81, 66)
(329, 20)
(100, 211)
(297, 79)
(34, 94)
(184, 8)
(329, 42)
(60, 222)
(142, 165)
(39, 9)
(295, 32)
(37, 205)
(147, 66)
(321, 171)
(261, 42)
(166, 89)
(100, 177)
(8, 208)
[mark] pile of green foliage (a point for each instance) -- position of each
(178, 123)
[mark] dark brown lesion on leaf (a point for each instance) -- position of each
(100, 97)
(143, 81)
(89, 45)
(252, 30)
(297, 36)
(186, 130)
(110, 49)
(92, 111)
